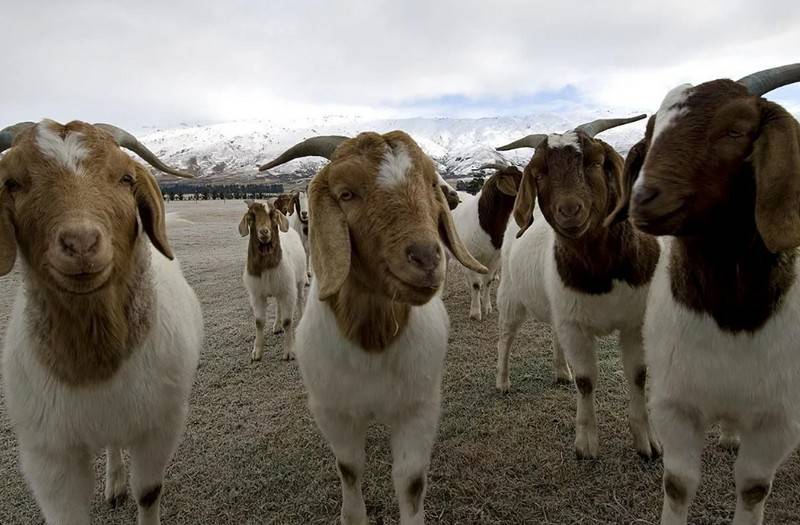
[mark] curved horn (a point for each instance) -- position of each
(128, 141)
(323, 146)
(531, 141)
(602, 124)
(7, 135)
(764, 81)
(493, 166)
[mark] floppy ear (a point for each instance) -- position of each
(451, 239)
(249, 202)
(151, 210)
(8, 242)
(526, 198)
(506, 183)
(329, 237)
(294, 202)
(244, 224)
(283, 222)
(776, 163)
(627, 177)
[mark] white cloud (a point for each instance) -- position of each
(144, 62)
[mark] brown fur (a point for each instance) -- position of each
(361, 233)
(415, 491)
(496, 203)
(263, 256)
(88, 328)
(591, 251)
(674, 489)
(725, 179)
(285, 203)
(584, 385)
(755, 495)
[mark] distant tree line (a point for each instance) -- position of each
(179, 192)
(471, 186)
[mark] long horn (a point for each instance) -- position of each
(128, 141)
(764, 81)
(493, 166)
(7, 135)
(323, 146)
(602, 124)
(531, 141)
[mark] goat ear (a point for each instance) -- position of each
(283, 222)
(451, 239)
(244, 225)
(626, 177)
(249, 202)
(526, 199)
(294, 202)
(151, 210)
(8, 242)
(506, 184)
(329, 237)
(776, 163)
(613, 167)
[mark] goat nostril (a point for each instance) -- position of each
(644, 195)
(424, 256)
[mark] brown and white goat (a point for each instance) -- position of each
(372, 341)
(276, 267)
(569, 266)
(720, 176)
(105, 334)
(481, 223)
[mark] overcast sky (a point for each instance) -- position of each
(169, 62)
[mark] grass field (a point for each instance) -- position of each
(252, 454)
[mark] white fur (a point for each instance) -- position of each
(479, 244)
(531, 286)
(142, 407)
(286, 283)
(568, 139)
(68, 151)
(298, 225)
(749, 381)
(400, 386)
(393, 170)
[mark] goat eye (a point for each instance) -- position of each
(127, 179)
(346, 195)
(12, 185)
(735, 134)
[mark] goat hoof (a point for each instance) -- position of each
(255, 357)
(117, 501)
(475, 317)
(288, 356)
(730, 443)
(563, 380)
(503, 386)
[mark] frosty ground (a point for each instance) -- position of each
(251, 453)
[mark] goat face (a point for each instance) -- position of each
(301, 205)
(711, 153)
(262, 222)
(379, 216)
(576, 180)
(70, 200)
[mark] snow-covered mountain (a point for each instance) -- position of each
(233, 150)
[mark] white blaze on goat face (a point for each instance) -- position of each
(673, 107)
(67, 150)
(394, 168)
(568, 139)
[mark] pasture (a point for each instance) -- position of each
(252, 454)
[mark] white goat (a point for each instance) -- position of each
(276, 267)
(372, 341)
(105, 332)
(481, 223)
(570, 267)
(720, 175)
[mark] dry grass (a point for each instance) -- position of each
(251, 453)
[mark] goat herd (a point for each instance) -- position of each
(687, 247)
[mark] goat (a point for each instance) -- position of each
(298, 220)
(718, 172)
(276, 267)
(105, 333)
(481, 222)
(372, 341)
(584, 275)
